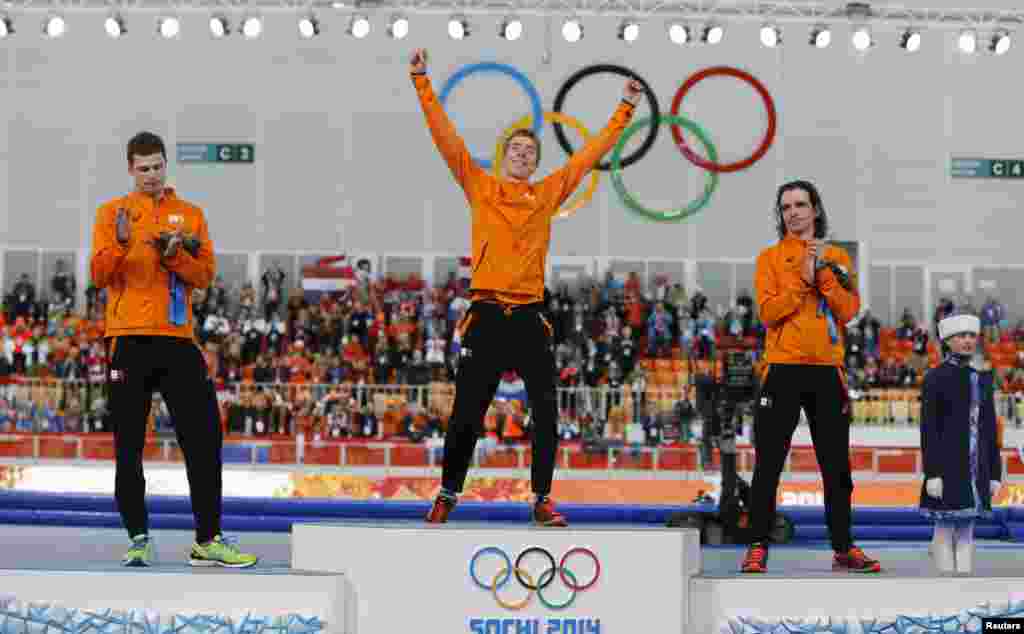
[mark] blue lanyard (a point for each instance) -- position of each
(823, 308)
(176, 309)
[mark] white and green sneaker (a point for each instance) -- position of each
(140, 554)
(220, 551)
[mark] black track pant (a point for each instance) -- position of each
(496, 340)
(175, 367)
(819, 391)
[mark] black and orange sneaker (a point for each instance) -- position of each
(544, 514)
(756, 559)
(439, 511)
(854, 560)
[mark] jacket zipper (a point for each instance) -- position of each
(483, 251)
(117, 306)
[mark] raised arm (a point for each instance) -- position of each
(111, 238)
(565, 181)
(446, 138)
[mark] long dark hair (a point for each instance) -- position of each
(820, 217)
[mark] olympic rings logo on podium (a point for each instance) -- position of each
(533, 585)
(616, 162)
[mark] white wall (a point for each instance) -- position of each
(344, 161)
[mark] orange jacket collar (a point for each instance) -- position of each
(168, 194)
(792, 239)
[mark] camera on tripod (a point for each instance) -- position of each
(722, 398)
(728, 392)
(738, 379)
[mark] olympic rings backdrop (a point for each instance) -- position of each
(492, 67)
(617, 163)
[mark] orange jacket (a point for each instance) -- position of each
(136, 279)
(511, 219)
(789, 307)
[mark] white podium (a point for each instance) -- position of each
(402, 577)
(851, 603)
(168, 598)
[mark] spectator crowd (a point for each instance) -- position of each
(375, 359)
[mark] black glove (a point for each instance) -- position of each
(168, 244)
(162, 241)
(191, 244)
(841, 275)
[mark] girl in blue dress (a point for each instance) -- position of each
(962, 469)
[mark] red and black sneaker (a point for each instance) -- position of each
(756, 559)
(439, 511)
(854, 560)
(544, 514)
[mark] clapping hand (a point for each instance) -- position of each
(418, 61)
(632, 91)
(124, 227)
(815, 249)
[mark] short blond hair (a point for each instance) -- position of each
(522, 132)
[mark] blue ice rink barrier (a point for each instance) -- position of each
(278, 515)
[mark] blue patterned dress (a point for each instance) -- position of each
(958, 441)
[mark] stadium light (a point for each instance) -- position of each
(967, 42)
(169, 27)
(712, 34)
(511, 29)
(771, 36)
(679, 33)
(629, 31)
(309, 27)
(398, 27)
(458, 28)
(821, 37)
(1000, 43)
(219, 26)
(862, 39)
(252, 27)
(54, 26)
(114, 26)
(910, 41)
(572, 31)
(359, 27)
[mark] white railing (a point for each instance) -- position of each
(47, 406)
(576, 460)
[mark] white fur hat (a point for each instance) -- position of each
(958, 324)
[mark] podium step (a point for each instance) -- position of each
(504, 578)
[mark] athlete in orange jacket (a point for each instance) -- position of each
(150, 249)
(805, 295)
(511, 217)
(137, 276)
(798, 329)
(505, 327)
